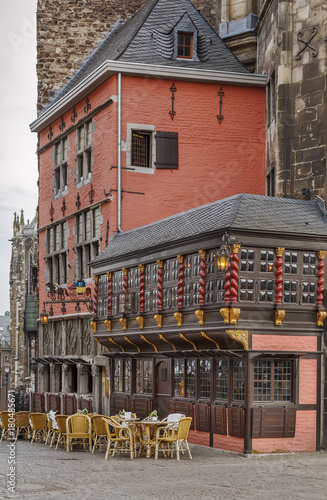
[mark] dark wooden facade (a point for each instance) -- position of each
(240, 352)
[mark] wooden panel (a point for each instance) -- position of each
(218, 419)
(202, 417)
(183, 407)
(86, 403)
(167, 150)
(70, 404)
(119, 402)
(39, 402)
(53, 402)
(273, 422)
(142, 406)
(236, 422)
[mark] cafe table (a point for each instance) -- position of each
(151, 427)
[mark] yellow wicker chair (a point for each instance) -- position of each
(39, 426)
(22, 421)
(99, 433)
(4, 425)
(122, 437)
(59, 435)
(178, 439)
(78, 430)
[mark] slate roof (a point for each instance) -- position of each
(148, 37)
(247, 212)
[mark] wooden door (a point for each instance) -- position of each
(162, 387)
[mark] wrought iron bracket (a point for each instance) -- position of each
(172, 89)
(74, 115)
(50, 134)
(87, 106)
(78, 201)
(51, 212)
(221, 93)
(300, 35)
(62, 124)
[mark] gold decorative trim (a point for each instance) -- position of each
(158, 320)
(224, 311)
(182, 336)
(93, 325)
(202, 254)
(142, 267)
(180, 258)
(280, 251)
(321, 316)
(140, 322)
(103, 345)
(107, 324)
(109, 276)
(125, 271)
(95, 278)
(128, 340)
(211, 340)
(241, 336)
(322, 254)
(148, 342)
(118, 345)
(236, 248)
(199, 314)
(160, 263)
(234, 314)
(179, 318)
(167, 341)
(279, 316)
(123, 322)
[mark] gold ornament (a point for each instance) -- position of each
(234, 314)
(123, 322)
(93, 326)
(199, 314)
(107, 324)
(224, 311)
(140, 322)
(179, 318)
(279, 316)
(241, 336)
(321, 316)
(158, 320)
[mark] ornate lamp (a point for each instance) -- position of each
(223, 254)
(44, 315)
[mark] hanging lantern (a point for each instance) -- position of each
(44, 315)
(222, 258)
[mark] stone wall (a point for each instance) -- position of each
(296, 135)
(67, 31)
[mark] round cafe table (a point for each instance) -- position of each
(151, 427)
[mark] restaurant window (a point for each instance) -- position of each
(273, 381)
(238, 380)
(205, 371)
(184, 45)
(144, 377)
(127, 375)
(179, 365)
(84, 141)
(190, 377)
(222, 379)
(118, 375)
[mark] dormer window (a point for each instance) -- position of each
(185, 45)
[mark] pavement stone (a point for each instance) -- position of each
(43, 473)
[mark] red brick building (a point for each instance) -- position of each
(161, 118)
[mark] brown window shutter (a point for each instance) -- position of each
(256, 422)
(236, 422)
(290, 422)
(273, 422)
(218, 419)
(167, 150)
(202, 417)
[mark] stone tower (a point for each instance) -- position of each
(67, 31)
(23, 304)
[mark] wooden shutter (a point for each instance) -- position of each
(119, 402)
(202, 417)
(273, 422)
(182, 407)
(218, 419)
(142, 406)
(38, 402)
(236, 422)
(167, 150)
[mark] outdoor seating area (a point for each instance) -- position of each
(116, 434)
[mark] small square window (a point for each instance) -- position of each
(141, 149)
(185, 46)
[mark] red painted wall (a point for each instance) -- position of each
(215, 160)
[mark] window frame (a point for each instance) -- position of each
(84, 153)
(56, 253)
(182, 45)
(60, 167)
(87, 241)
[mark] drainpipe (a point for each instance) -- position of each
(119, 158)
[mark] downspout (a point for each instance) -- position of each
(119, 158)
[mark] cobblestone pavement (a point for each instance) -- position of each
(42, 473)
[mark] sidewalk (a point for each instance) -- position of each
(43, 473)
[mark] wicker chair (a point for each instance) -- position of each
(177, 439)
(59, 435)
(39, 426)
(99, 433)
(4, 425)
(22, 421)
(78, 430)
(122, 437)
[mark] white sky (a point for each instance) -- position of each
(18, 162)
